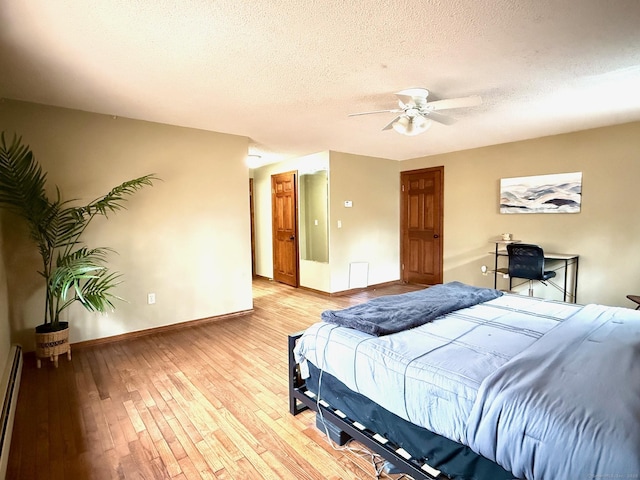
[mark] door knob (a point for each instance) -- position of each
(435, 235)
(292, 237)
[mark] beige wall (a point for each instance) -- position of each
(370, 229)
(606, 233)
(5, 331)
(186, 239)
(314, 275)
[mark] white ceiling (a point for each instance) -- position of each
(287, 73)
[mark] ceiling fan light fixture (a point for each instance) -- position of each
(411, 125)
(415, 113)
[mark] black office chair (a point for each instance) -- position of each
(635, 299)
(527, 261)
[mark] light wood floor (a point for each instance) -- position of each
(207, 401)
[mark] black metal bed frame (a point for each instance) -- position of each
(301, 399)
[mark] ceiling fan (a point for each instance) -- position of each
(415, 113)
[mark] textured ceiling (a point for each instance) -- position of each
(287, 73)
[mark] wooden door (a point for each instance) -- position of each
(285, 228)
(421, 225)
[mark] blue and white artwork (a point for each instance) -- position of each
(557, 193)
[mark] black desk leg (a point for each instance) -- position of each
(495, 270)
(575, 281)
(566, 277)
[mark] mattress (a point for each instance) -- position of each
(430, 375)
(546, 389)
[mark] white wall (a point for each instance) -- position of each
(187, 239)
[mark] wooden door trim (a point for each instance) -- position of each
(252, 216)
(403, 222)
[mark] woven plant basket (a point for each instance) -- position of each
(51, 344)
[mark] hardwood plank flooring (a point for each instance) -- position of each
(202, 402)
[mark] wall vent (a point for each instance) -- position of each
(358, 275)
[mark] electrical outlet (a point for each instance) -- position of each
(151, 298)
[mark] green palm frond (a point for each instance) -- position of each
(73, 268)
(72, 272)
(22, 182)
(83, 275)
(57, 226)
(114, 200)
(66, 226)
(96, 292)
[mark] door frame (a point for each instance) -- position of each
(252, 219)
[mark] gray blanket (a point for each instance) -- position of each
(395, 313)
(568, 406)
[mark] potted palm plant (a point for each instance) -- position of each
(72, 272)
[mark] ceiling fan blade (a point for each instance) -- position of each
(395, 110)
(406, 102)
(471, 101)
(389, 125)
(413, 97)
(438, 117)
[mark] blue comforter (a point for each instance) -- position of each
(568, 407)
(395, 313)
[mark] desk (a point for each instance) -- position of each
(568, 259)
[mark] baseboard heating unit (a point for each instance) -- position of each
(10, 383)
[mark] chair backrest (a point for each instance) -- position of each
(526, 261)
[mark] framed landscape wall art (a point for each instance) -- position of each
(557, 193)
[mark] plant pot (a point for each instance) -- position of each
(52, 342)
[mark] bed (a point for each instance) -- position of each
(493, 387)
